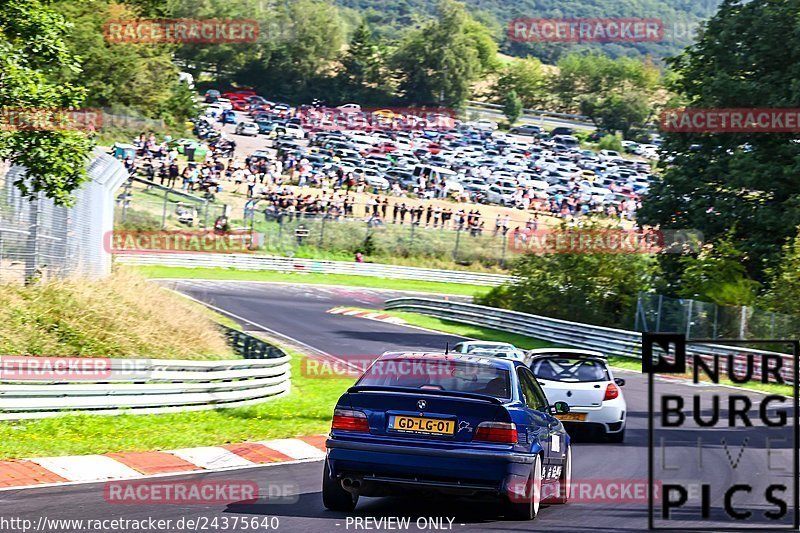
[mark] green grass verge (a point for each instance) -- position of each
(306, 411)
(467, 330)
(320, 279)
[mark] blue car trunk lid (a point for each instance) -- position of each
(388, 413)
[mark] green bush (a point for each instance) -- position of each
(610, 142)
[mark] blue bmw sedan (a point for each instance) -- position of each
(453, 424)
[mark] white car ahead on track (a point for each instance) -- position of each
(582, 379)
(491, 349)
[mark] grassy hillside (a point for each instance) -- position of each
(389, 17)
(121, 316)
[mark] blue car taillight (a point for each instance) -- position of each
(497, 432)
(349, 420)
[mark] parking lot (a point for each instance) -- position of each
(437, 157)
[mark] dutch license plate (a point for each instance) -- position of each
(415, 424)
(579, 417)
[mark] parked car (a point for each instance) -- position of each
(211, 96)
(609, 155)
(561, 130)
(224, 103)
(526, 129)
(247, 128)
(485, 124)
(295, 130)
(228, 117)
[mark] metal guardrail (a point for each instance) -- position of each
(146, 386)
(251, 347)
(289, 264)
(610, 341)
(581, 120)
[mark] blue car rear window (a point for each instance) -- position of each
(446, 375)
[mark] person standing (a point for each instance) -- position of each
(437, 216)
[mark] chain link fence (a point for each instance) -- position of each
(142, 205)
(658, 313)
(307, 235)
(40, 240)
(149, 206)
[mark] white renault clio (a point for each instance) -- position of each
(582, 379)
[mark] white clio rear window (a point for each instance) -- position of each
(570, 369)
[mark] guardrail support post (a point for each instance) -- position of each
(32, 251)
(164, 212)
(503, 257)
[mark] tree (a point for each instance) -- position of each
(610, 142)
(33, 54)
(617, 111)
(597, 288)
(748, 181)
(360, 62)
(783, 293)
(126, 76)
(295, 62)
(512, 107)
(527, 78)
(438, 63)
(364, 72)
(717, 274)
(223, 59)
(597, 76)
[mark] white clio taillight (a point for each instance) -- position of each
(496, 432)
(612, 391)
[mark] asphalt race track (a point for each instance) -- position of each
(299, 312)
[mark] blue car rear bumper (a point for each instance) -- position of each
(469, 471)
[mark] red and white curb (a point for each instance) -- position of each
(132, 465)
(371, 315)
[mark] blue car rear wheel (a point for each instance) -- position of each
(334, 497)
(526, 507)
